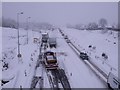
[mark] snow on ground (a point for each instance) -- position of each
(0, 54)
(79, 74)
(100, 42)
(20, 71)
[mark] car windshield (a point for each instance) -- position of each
(50, 57)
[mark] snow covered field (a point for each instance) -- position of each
(95, 43)
(20, 72)
(79, 75)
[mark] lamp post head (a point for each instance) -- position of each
(21, 13)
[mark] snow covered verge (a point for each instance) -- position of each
(16, 72)
(78, 73)
(101, 46)
(0, 53)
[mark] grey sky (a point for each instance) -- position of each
(63, 13)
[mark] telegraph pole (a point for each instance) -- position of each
(19, 55)
(27, 27)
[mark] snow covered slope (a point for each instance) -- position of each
(95, 43)
(79, 74)
(18, 72)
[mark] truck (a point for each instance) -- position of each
(50, 60)
(52, 42)
(45, 37)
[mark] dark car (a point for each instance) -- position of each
(65, 37)
(68, 41)
(84, 56)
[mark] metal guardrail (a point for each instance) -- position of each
(56, 75)
(112, 81)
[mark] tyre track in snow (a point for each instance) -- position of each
(41, 64)
(56, 76)
(88, 62)
(53, 80)
(63, 78)
(37, 79)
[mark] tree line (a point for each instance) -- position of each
(7, 22)
(101, 25)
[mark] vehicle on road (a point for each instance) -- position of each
(84, 56)
(50, 60)
(45, 37)
(52, 42)
(68, 41)
(62, 34)
(65, 37)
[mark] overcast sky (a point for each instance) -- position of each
(62, 13)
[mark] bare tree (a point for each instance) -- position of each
(45, 26)
(79, 26)
(102, 22)
(8, 23)
(92, 26)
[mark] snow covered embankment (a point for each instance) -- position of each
(18, 72)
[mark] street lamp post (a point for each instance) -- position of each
(19, 55)
(27, 27)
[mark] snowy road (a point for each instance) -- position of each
(55, 77)
(78, 73)
(94, 43)
(73, 72)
